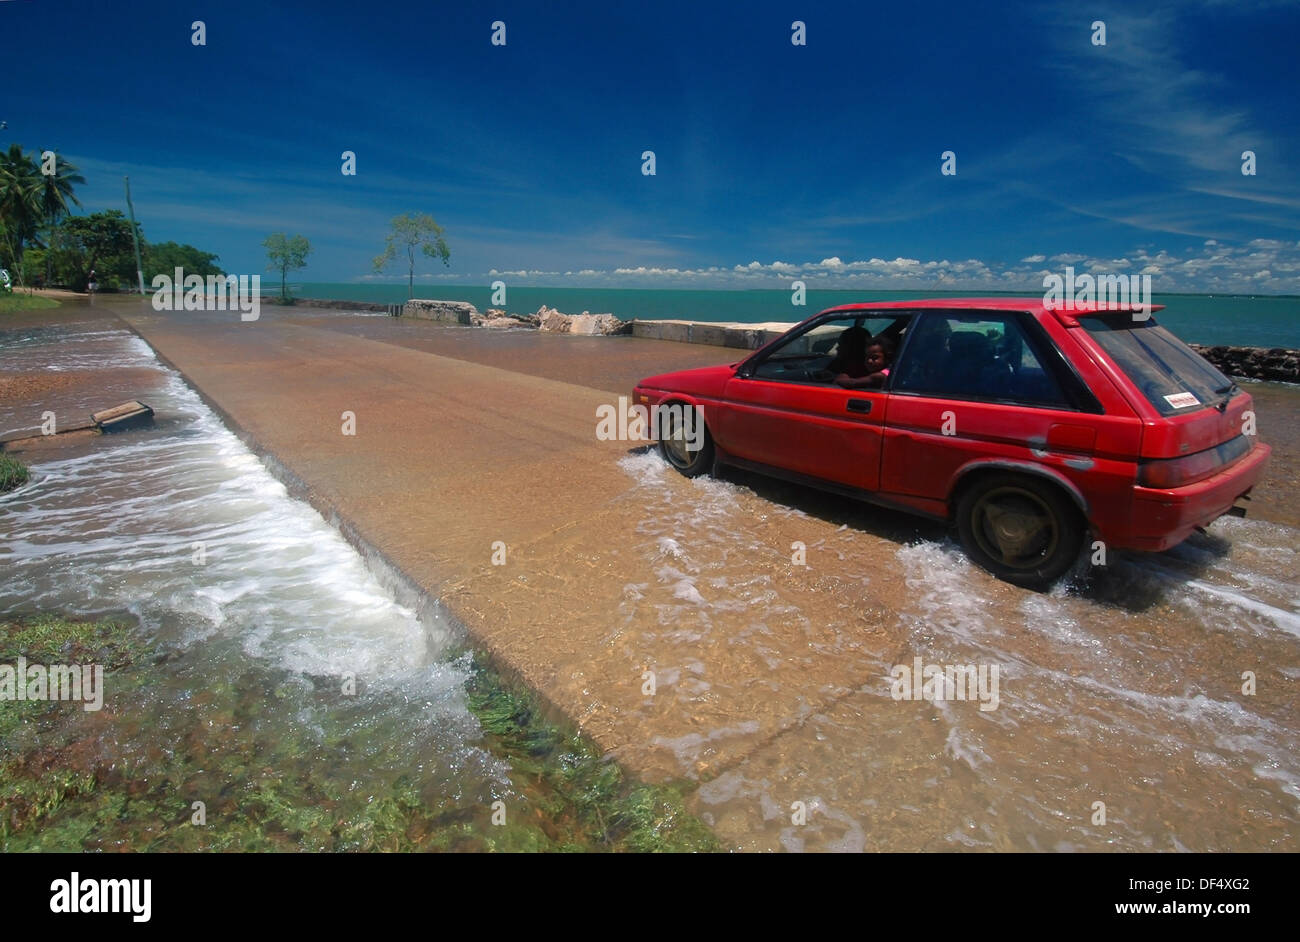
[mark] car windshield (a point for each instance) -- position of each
(1171, 375)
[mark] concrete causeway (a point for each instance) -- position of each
(674, 621)
(452, 455)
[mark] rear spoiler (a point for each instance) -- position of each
(1069, 317)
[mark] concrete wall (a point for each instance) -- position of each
(743, 336)
(447, 312)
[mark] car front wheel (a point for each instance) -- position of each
(1020, 528)
(685, 442)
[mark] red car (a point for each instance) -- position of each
(1031, 428)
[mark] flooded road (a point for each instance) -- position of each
(1147, 704)
(1120, 691)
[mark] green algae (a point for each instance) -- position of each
(573, 784)
(128, 777)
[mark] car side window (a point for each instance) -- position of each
(806, 357)
(983, 356)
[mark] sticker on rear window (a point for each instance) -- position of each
(1182, 400)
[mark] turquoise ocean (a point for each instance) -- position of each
(1242, 320)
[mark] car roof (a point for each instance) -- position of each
(1032, 304)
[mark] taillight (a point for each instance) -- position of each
(1178, 472)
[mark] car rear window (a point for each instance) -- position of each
(1171, 375)
(981, 356)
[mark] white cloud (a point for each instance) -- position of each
(1260, 265)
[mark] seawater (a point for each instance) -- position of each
(1250, 321)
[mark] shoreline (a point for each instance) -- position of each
(1267, 364)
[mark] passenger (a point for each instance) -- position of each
(874, 373)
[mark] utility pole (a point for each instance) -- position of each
(139, 267)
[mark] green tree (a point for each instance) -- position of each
(53, 196)
(99, 242)
(410, 232)
(20, 205)
(165, 257)
(32, 202)
(287, 253)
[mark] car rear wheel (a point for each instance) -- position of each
(675, 440)
(1020, 528)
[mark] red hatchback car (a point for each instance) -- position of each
(1028, 427)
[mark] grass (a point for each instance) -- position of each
(21, 301)
(12, 474)
(171, 731)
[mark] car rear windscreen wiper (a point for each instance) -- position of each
(1231, 389)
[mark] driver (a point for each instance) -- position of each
(850, 354)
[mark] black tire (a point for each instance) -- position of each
(673, 443)
(1021, 528)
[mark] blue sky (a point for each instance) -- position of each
(773, 161)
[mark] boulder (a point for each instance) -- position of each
(598, 325)
(552, 321)
(503, 323)
(1275, 363)
(498, 319)
(586, 323)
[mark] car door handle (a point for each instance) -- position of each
(859, 405)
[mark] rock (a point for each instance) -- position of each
(449, 312)
(586, 323)
(498, 319)
(603, 325)
(503, 323)
(552, 321)
(1277, 364)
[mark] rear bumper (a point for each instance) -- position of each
(1165, 517)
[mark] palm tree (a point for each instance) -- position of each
(53, 196)
(20, 202)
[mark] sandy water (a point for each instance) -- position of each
(1122, 687)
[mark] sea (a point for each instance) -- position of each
(1239, 320)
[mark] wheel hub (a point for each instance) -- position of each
(1017, 526)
